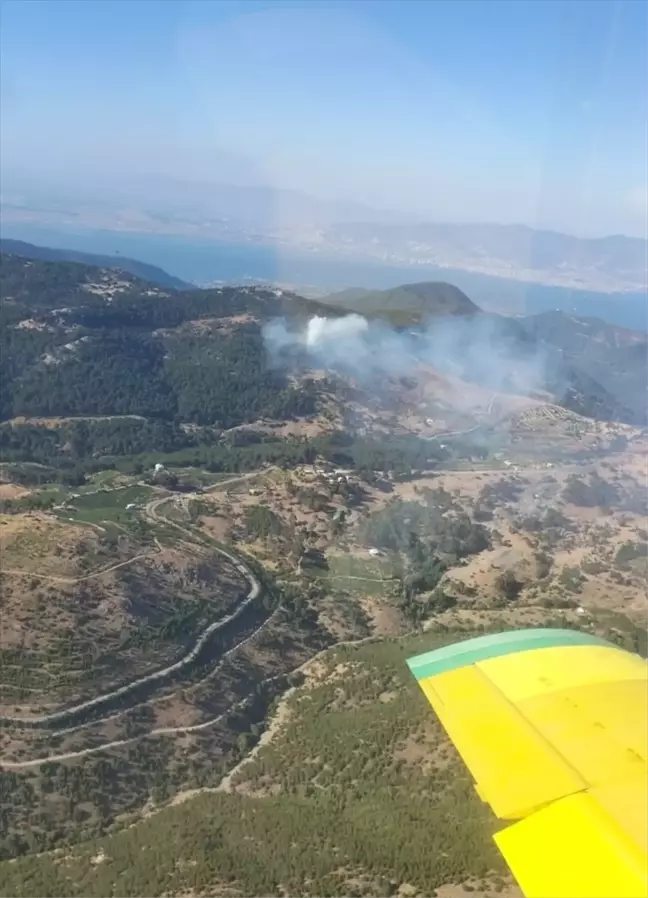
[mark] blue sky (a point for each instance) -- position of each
(495, 110)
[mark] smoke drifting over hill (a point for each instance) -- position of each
(489, 351)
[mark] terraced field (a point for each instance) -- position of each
(354, 574)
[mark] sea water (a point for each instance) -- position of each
(202, 262)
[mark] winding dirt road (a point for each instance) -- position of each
(162, 731)
(152, 512)
(74, 580)
(174, 731)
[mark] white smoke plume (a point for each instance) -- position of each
(493, 352)
(348, 345)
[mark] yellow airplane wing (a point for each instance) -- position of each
(553, 726)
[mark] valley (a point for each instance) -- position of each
(289, 545)
(213, 568)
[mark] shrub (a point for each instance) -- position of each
(509, 585)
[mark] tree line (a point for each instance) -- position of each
(76, 449)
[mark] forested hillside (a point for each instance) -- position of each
(122, 263)
(78, 341)
(410, 302)
(606, 364)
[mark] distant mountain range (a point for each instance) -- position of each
(253, 205)
(286, 219)
(516, 252)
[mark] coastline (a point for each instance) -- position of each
(216, 262)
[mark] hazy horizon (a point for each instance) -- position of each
(33, 195)
(528, 113)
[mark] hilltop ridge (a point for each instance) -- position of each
(410, 301)
(120, 263)
(82, 340)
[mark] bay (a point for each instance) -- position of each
(208, 262)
